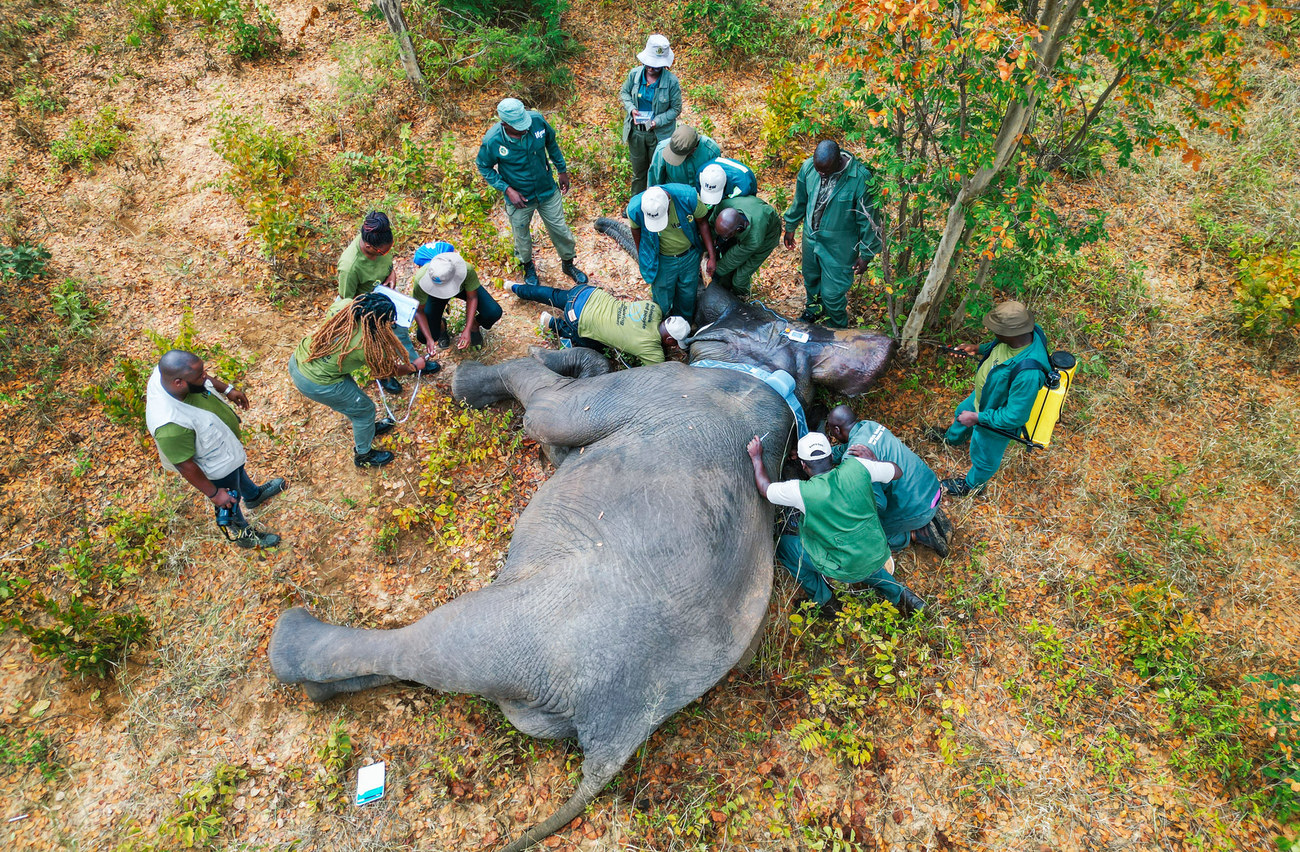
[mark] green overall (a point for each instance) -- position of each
(741, 259)
(846, 232)
(907, 503)
(1004, 402)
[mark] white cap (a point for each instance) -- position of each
(657, 53)
(713, 183)
(654, 209)
(678, 329)
(814, 446)
(443, 275)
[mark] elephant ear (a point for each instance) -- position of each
(575, 363)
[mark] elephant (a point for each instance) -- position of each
(640, 572)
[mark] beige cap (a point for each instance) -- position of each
(1009, 318)
(443, 275)
(681, 145)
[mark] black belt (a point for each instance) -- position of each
(682, 254)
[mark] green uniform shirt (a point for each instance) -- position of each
(359, 274)
(840, 529)
(847, 228)
(471, 283)
(1001, 352)
(176, 443)
(521, 163)
(631, 327)
(909, 495)
(1006, 395)
(688, 173)
(326, 370)
(763, 232)
(673, 240)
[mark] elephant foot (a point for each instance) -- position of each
(322, 692)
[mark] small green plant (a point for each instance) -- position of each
(1280, 714)
(21, 749)
(85, 143)
(1268, 292)
(335, 755)
(248, 29)
(85, 639)
(72, 305)
(23, 262)
(202, 813)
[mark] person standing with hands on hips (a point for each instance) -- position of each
(515, 159)
(652, 100)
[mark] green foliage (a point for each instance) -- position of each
(202, 813)
(368, 108)
(1280, 714)
(737, 29)
(123, 394)
(595, 154)
(84, 143)
(72, 305)
(85, 639)
(23, 262)
(248, 29)
(263, 178)
(335, 755)
(797, 112)
(463, 204)
(475, 43)
(21, 749)
(355, 183)
(1268, 292)
(1167, 648)
(37, 94)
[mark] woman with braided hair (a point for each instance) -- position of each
(357, 333)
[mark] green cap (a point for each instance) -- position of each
(512, 112)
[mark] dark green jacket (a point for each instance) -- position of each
(848, 226)
(1009, 394)
(763, 233)
(912, 493)
(840, 529)
(521, 163)
(667, 105)
(688, 173)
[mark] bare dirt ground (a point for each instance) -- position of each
(1027, 725)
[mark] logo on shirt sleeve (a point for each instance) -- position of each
(503, 151)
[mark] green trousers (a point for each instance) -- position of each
(827, 280)
(676, 283)
(551, 209)
(740, 279)
(986, 448)
(641, 146)
(794, 558)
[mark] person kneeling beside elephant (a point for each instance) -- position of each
(592, 317)
(908, 507)
(445, 275)
(840, 537)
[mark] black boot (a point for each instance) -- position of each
(269, 489)
(372, 458)
(929, 536)
(959, 487)
(530, 275)
(909, 604)
(943, 525)
(383, 427)
(812, 313)
(390, 385)
(571, 270)
(250, 537)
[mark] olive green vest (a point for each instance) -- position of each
(840, 530)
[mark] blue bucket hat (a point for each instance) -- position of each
(429, 251)
(513, 113)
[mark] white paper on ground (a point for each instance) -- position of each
(370, 783)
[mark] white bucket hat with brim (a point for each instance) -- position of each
(654, 209)
(657, 53)
(443, 275)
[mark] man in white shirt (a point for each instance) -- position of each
(840, 537)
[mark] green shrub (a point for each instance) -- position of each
(85, 639)
(1268, 291)
(71, 304)
(248, 29)
(123, 394)
(367, 109)
(737, 28)
(262, 175)
(20, 749)
(23, 262)
(83, 143)
(1280, 714)
(202, 813)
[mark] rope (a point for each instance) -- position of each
(383, 399)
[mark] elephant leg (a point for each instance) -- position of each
(322, 692)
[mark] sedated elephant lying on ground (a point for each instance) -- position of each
(640, 572)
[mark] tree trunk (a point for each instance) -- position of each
(1058, 20)
(392, 10)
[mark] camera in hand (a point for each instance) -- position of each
(226, 514)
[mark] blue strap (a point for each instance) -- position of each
(780, 381)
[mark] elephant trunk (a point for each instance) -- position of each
(479, 385)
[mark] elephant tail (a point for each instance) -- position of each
(571, 809)
(618, 231)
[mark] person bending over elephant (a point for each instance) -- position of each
(908, 506)
(840, 537)
(357, 333)
(591, 317)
